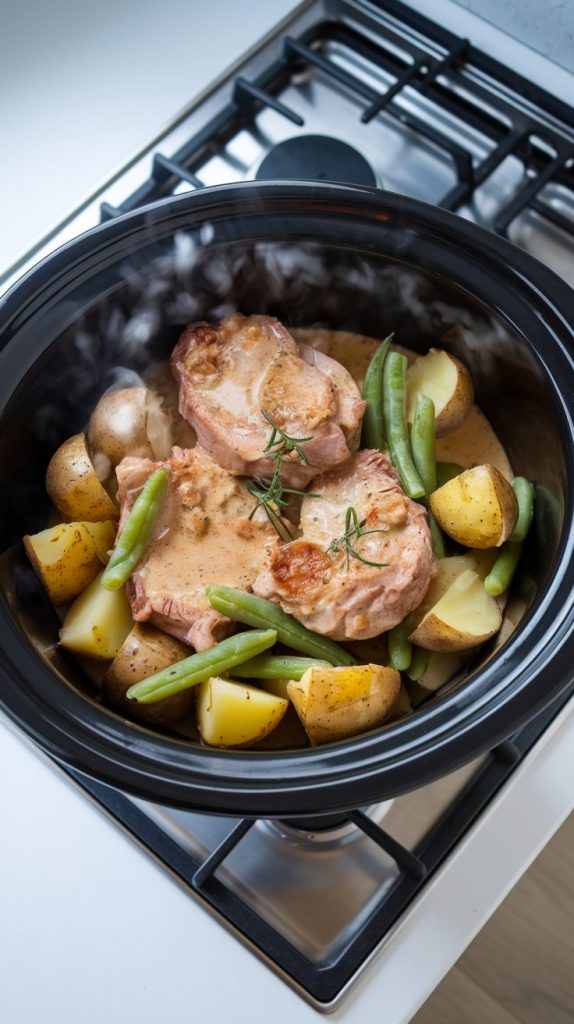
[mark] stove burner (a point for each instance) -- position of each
(316, 158)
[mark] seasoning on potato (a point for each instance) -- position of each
(145, 651)
(98, 622)
(233, 714)
(335, 703)
(73, 485)
(68, 556)
(478, 508)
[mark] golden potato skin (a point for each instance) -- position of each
(65, 558)
(336, 703)
(118, 425)
(73, 486)
(442, 377)
(478, 508)
(145, 651)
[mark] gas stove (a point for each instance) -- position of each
(368, 93)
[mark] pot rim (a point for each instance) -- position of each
(507, 691)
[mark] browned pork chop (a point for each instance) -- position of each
(342, 597)
(203, 536)
(231, 372)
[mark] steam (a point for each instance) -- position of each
(112, 344)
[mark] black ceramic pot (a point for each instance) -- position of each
(349, 258)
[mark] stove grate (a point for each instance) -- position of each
(464, 91)
(325, 981)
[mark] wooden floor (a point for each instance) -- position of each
(520, 969)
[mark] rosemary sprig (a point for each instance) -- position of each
(279, 444)
(353, 531)
(269, 493)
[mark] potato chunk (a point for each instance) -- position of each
(334, 703)
(73, 486)
(236, 714)
(98, 622)
(67, 557)
(464, 617)
(478, 508)
(145, 651)
(130, 421)
(442, 377)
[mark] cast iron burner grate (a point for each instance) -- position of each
(487, 124)
(325, 981)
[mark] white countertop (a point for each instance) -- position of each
(85, 86)
(93, 931)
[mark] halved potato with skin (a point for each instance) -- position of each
(446, 380)
(73, 486)
(478, 508)
(66, 557)
(334, 703)
(464, 617)
(129, 421)
(98, 622)
(480, 561)
(103, 535)
(236, 714)
(145, 651)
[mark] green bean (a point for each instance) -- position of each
(201, 666)
(276, 666)
(436, 536)
(502, 572)
(446, 471)
(525, 497)
(501, 575)
(256, 611)
(394, 389)
(400, 647)
(373, 433)
(419, 663)
(423, 442)
(136, 531)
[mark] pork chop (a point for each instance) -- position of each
(324, 585)
(232, 372)
(203, 535)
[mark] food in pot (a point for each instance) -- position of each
(245, 372)
(271, 570)
(129, 421)
(144, 652)
(478, 508)
(464, 617)
(334, 703)
(98, 622)
(441, 377)
(353, 581)
(205, 533)
(73, 485)
(235, 714)
(68, 556)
